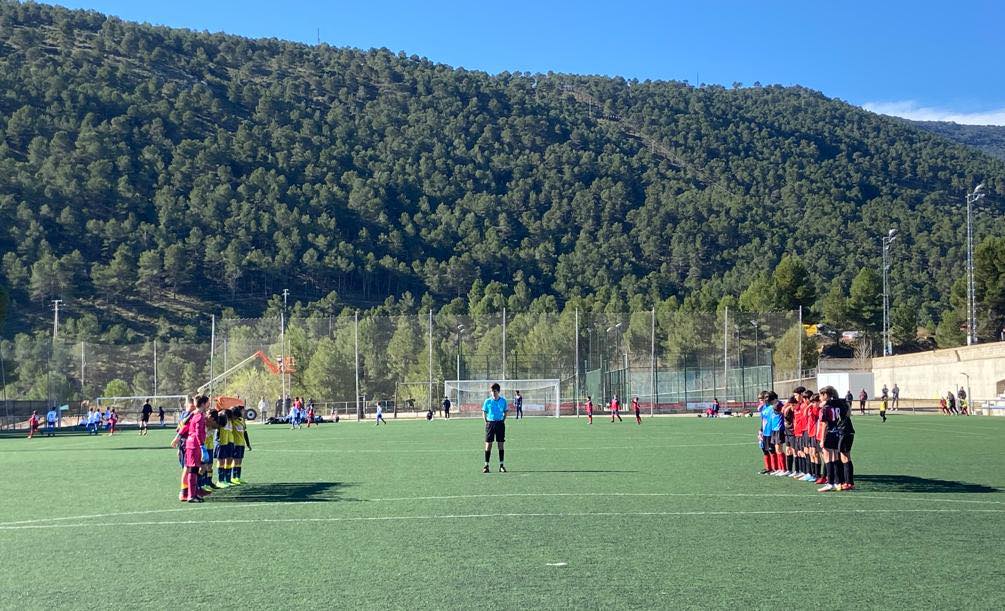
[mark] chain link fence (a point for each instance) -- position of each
(671, 360)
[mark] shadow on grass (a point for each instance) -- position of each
(283, 492)
(910, 483)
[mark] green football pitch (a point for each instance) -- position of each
(669, 514)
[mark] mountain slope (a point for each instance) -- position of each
(989, 139)
(149, 174)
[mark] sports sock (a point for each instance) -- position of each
(780, 461)
(237, 472)
(831, 475)
(849, 473)
(788, 462)
(767, 462)
(220, 474)
(501, 455)
(488, 455)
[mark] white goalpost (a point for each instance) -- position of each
(541, 397)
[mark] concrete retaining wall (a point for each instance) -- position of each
(927, 375)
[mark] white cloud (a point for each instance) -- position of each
(912, 110)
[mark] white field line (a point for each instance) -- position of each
(452, 497)
(482, 516)
(751, 443)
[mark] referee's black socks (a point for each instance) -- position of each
(501, 455)
(488, 455)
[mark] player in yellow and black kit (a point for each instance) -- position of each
(224, 447)
(241, 441)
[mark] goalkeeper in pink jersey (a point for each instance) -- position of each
(193, 435)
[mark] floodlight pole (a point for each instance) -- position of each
(212, 349)
(887, 240)
(576, 335)
(972, 198)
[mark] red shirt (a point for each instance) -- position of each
(812, 418)
(589, 407)
(800, 419)
(615, 406)
(635, 404)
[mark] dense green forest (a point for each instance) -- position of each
(152, 176)
(987, 138)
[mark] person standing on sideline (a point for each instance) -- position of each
(263, 408)
(145, 412)
(50, 422)
(615, 409)
(589, 409)
(862, 398)
(160, 414)
(380, 413)
(519, 404)
(637, 409)
(494, 413)
(885, 392)
(895, 393)
(849, 397)
(446, 408)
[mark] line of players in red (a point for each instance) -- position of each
(615, 408)
(808, 437)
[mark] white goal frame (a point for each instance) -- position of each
(453, 388)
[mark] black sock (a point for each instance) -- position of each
(237, 472)
(839, 466)
(502, 454)
(488, 455)
(788, 463)
(221, 474)
(849, 473)
(831, 473)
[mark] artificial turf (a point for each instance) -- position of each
(669, 514)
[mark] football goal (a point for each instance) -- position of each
(540, 397)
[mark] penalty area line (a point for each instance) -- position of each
(503, 495)
(482, 516)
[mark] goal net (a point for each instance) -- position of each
(540, 397)
(130, 408)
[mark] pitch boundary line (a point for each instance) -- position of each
(481, 516)
(501, 495)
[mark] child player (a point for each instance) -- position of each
(224, 447)
(241, 441)
(589, 409)
(638, 412)
(194, 433)
(615, 409)
(799, 436)
(33, 424)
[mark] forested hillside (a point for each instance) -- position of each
(986, 138)
(150, 176)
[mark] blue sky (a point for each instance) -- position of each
(923, 59)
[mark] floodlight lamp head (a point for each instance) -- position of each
(979, 189)
(892, 233)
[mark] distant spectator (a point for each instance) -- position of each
(895, 393)
(862, 398)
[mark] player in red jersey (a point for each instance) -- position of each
(33, 424)
(589, 409)
(615, 409)
(638, 410)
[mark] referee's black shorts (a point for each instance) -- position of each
(495, 430)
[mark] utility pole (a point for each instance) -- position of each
(282, 352)
(55, 318)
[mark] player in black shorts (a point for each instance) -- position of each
(832, 412)
(846, 437)
(145, 417)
